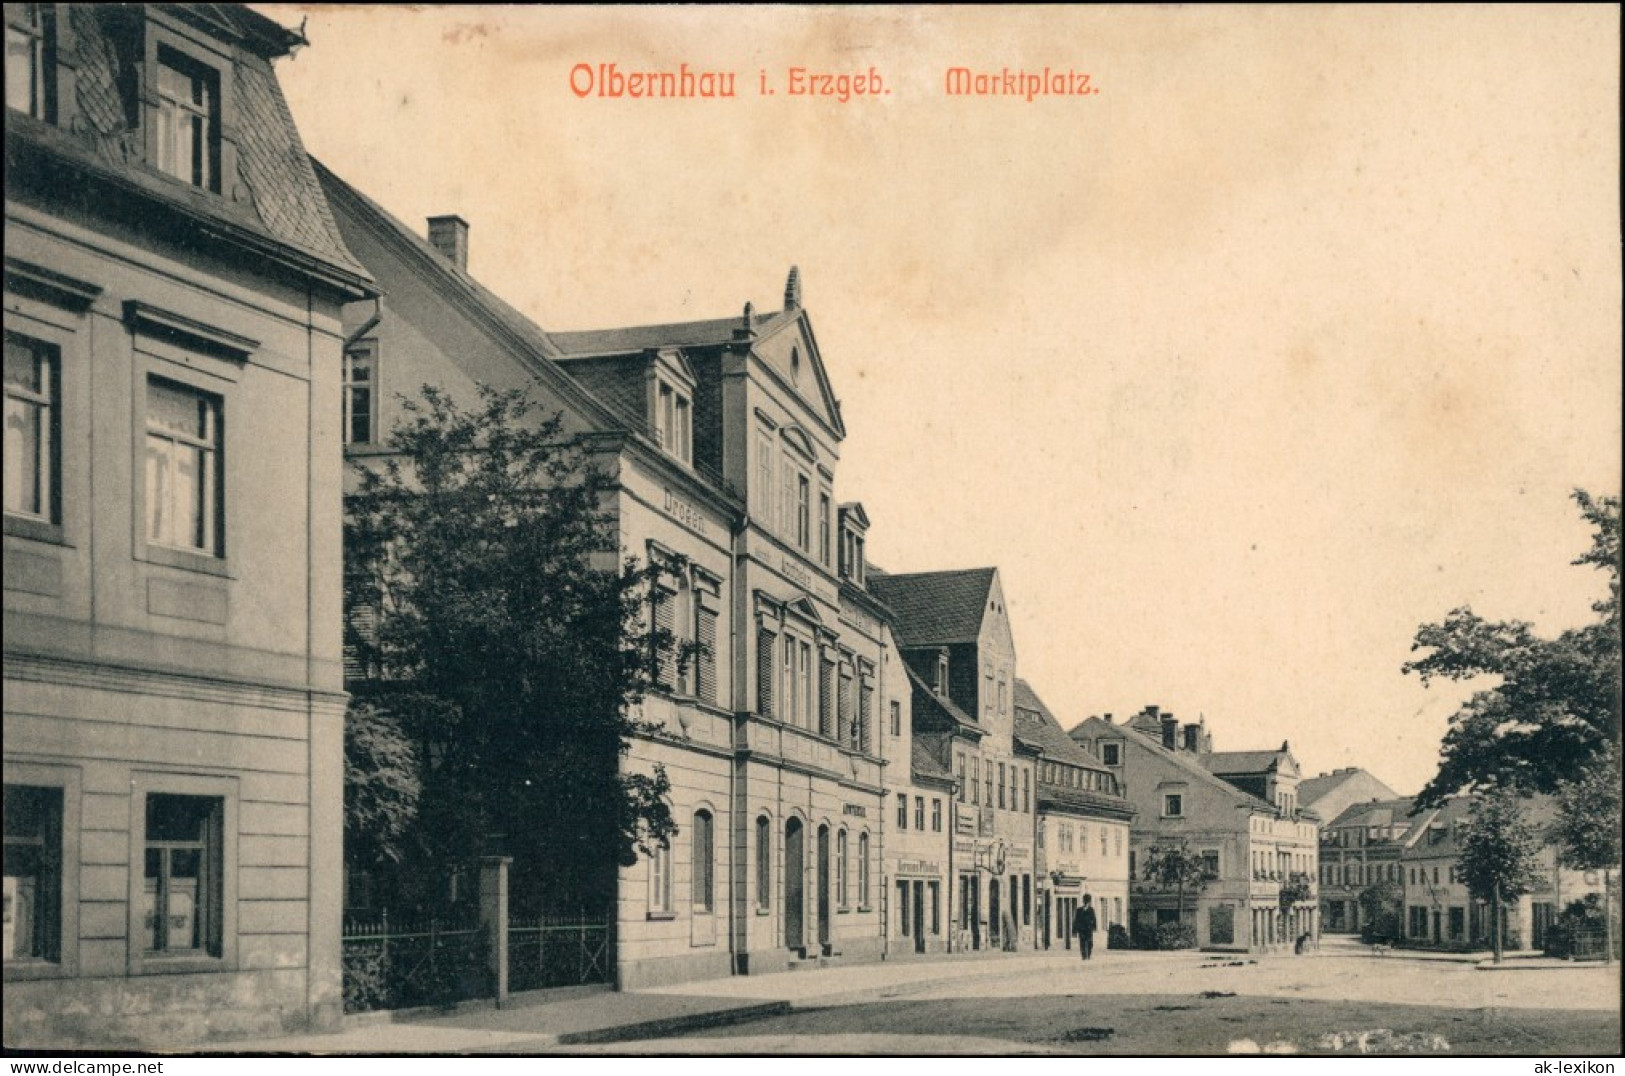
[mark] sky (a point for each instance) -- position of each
(1294, 333)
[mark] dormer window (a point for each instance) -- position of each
(673, 423)
(31, 60)
(187, 138)
(942, 674)
(852, 557)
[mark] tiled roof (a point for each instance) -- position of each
(923, 764)
(1241, 761)
(1374, 813)
(936, 607)
(676, 334)
(925, 698)
(1037, 727)
(1183, 760)
(278, 197)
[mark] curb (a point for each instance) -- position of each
(669, 1025)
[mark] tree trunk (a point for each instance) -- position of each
(1495, 924)
(1608, 915)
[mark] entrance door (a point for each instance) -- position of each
(970, 908)
(823, 888)
(919, 917)
(794, 877)
(993, 913)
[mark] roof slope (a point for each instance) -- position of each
(1182, 760)
(936, 607)
(709, 333)
(928, 700)
(1036, 727)
(1238, 762)
(924, 765)
(1375, 813)
(493, 305)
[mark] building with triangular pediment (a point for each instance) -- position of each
(724, 439)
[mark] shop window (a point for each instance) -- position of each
(183, 875)
(33, 874)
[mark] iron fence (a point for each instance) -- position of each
(551, 952)
(401, 964)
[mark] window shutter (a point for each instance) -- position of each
(214, 849)
(764, 672)
(665, 625)
(705, 633)
(866, 699)
(844, 716)
(826, 699)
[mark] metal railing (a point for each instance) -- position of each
(553, 952)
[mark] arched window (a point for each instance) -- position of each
(840, 869)
(863, 870)
(703, 871)
(764, 863)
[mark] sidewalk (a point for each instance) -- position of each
(541, 1021)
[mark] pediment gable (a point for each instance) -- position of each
(790, 350)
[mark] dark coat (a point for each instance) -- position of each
(1083, 920)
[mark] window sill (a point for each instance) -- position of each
(186, 560)
(35, 530)
(865, 909)
(764, 911)
(159, 964)
(661, 917)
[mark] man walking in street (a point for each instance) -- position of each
(1083, 925)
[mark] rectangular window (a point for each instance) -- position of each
(987, 778)
(663, 616)
(823, 529)
(960, 791)
(1001, 786)
(902, 810)
(919, 813)
(1026, 791)
(1110, 753)
(660, 880)
(936, 815)
(1173, 805)
(1104, 849)
(360, 364)
(1210, 859)
(975, 782)
(792, 702)
(896, 719)
(683, 431)
(843, 714)
(803, 510)
(766, 498)
(804, 686)
(33, 867)
(183, 468)
(182, 909)
(31, 60)
(703, 867)
(188, 120)
(32, 460)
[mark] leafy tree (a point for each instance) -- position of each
(1380, 906)
(1500, 855)
(382, 785)
(1176, 867)
(486, 595)
(1554, 709)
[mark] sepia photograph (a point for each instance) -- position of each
(860, 531)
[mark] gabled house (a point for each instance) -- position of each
(953, 632)
(174, 703)
(1360, 849)
(1082, 826)
(1236, 813)
(724, 438)
(1439, 910)
(1330, 794)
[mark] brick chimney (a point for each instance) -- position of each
(1170, 732)
(449, 235)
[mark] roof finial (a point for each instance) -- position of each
(792, 289)
(747, 324)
